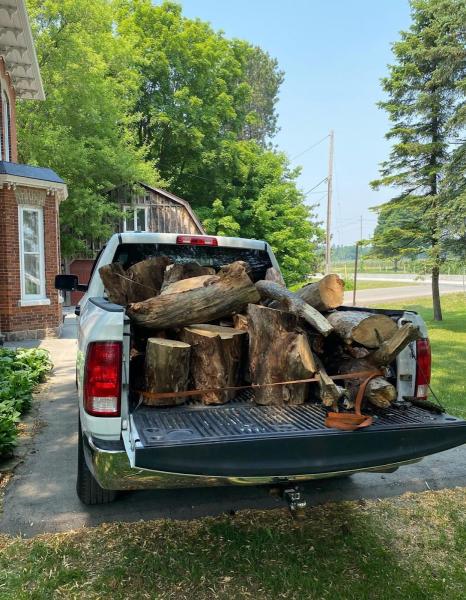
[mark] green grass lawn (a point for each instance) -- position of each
(411, 547)
(362, 285)
(448, 340)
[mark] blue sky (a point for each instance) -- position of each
(334, 53)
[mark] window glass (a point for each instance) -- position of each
(139, 219)
(32, 252)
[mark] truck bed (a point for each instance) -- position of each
(244, 439)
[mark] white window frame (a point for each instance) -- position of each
(6, 120)
(40, 298)
(133, 208)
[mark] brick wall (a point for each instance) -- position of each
(26, 322)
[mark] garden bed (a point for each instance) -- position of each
(21, 371)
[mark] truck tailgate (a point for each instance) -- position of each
(245, 440)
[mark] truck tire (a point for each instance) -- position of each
(87, 488)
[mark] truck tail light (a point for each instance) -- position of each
(197, 240)
(102, 379)
(423, 368)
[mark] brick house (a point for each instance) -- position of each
(30, 307)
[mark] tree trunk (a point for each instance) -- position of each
(436, 294)
(325, 294)
(191, 283)
(278, 352)
(367, 329)
(294, 304)
(216, 359)
(230, 294)
(166, 369)
(178, 272)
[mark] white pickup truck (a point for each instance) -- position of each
(124, 445)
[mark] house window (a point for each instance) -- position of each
(6, 119)
(135, 218)
(32, 253)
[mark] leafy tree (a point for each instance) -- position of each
(265, 203)
(200, 92)
(83, 129)
(423, 97)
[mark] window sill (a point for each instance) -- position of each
(35, 302)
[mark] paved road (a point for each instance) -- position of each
(41, 496)
(365, 297)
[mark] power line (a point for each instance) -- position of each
(310, 148)
(316, 186)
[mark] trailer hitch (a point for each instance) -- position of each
(296, 503)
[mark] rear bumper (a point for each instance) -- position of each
(272, 461)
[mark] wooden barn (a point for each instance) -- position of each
(152, 209)
(145, 208)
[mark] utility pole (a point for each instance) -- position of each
(355, 281)
(360, 235)
(328, 243)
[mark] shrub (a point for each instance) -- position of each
(20, 372)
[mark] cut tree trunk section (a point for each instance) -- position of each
(379, 391)
(216, 359)
(115, 281)
(325, 294)
(278, 351)
(230, 294)
(146, 278)
(191, 283)
(178, 272)
(166, 369)
(368, 329)
(387, 352)
(294, 304)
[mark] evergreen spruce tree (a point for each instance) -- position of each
(424, 94)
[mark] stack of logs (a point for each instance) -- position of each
(209, 330)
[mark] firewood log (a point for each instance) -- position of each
(272, 274)
(191, 283)
(379, 391)
(146, 278)
(278, 351)
(240, 322)
(216, 359)
(178, 272)
(166, 369)
(230, 294)
(368, 329)
(114, 279)
(325, 294)
(388, 350)
(294, 304)
(329, 392)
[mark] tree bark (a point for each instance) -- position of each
(329, 392)
(367, 329)
(379, 391)
(166, 369)
(146, 278)
(191, 283)
(437, 306)
(114, 279)
(178, 272)
(278, 352)
(216, 359)
(230, 294)
(294, 304)
(324, 295)
(387, 352)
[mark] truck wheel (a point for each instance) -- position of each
(87, 488)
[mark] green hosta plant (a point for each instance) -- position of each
(20, 372)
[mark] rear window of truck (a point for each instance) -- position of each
(209, 256)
